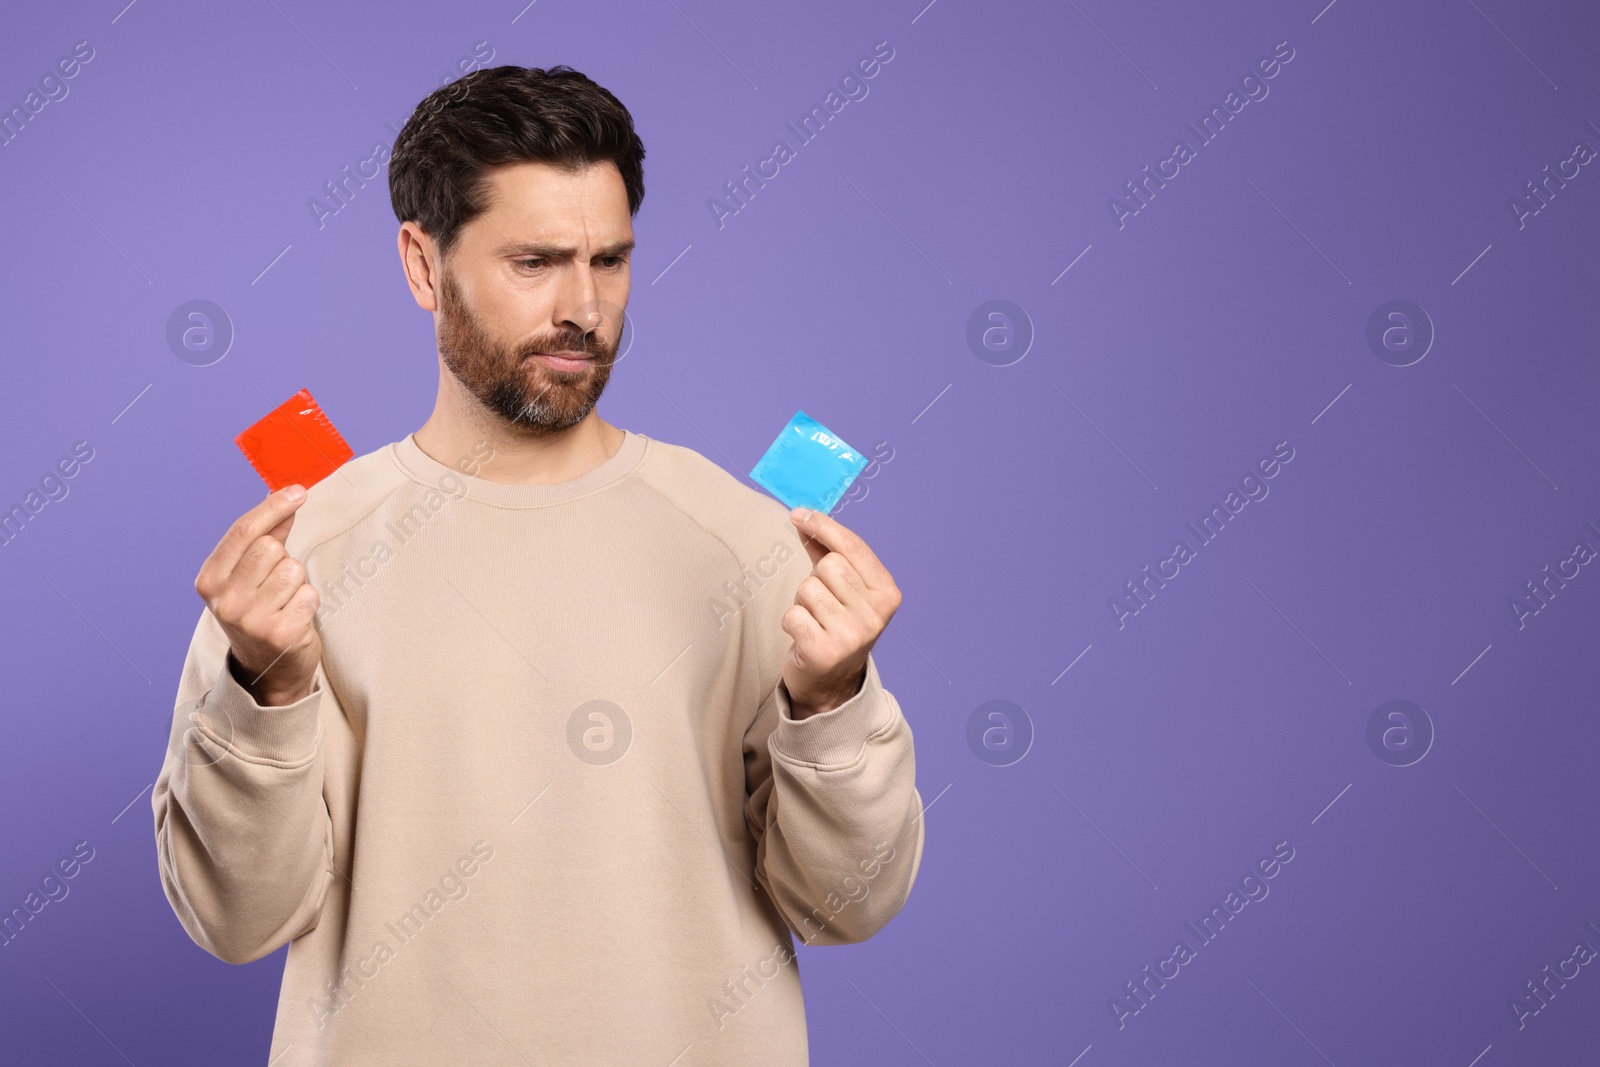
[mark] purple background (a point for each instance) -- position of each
(1227, 315)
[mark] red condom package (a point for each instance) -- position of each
(294, 445)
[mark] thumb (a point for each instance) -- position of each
(814, 549)
(281, 531)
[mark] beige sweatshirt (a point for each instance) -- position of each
(546, 804)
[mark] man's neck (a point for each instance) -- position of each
(490, 448)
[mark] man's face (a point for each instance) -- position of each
(543, 271)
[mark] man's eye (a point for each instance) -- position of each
(613, 261)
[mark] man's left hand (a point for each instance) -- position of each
(838, 613)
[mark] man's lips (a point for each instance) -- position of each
(563, 360)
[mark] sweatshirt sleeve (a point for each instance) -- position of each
(244, 839)
(831, 799)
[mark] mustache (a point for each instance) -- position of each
(585, 344)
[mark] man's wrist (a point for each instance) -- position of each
(799, 710)
(263, 693)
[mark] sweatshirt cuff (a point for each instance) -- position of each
(835, 737)
(286, 733)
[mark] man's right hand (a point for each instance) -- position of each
(260, 595)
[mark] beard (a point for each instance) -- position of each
(505, 379)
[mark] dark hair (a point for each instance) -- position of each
(499, 115)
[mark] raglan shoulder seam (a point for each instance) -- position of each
(645, 479)
(334, 535)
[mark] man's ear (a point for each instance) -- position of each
(419, 261)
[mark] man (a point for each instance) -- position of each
(534, 738)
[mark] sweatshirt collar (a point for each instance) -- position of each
(420, 467)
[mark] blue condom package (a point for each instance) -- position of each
(807, 466)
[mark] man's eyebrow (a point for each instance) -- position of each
(550, 251)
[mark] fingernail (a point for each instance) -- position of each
(802, 514)
(294, 492)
